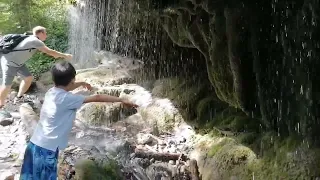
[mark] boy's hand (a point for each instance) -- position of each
(87, 86)
(127, 103)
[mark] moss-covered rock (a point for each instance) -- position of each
(207, 108)
(227, 158)
(89, 169)
(163, 117)
(98, 114)
(183, 93)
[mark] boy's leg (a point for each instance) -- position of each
(42, 166)
(27, 165)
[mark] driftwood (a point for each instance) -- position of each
(193, 169)
(158, 156)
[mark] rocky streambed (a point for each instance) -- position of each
(107, 140)
(152, 142)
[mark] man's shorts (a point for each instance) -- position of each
(9, 72)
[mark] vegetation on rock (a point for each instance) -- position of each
(89, 169)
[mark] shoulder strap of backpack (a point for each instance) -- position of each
(10, 41)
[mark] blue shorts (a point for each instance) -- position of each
(39, 163)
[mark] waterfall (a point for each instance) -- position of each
(83, 41)
(89, 29)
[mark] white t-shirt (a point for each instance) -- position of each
(56, 119)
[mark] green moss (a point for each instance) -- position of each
(94, 114)
(184, 94)
(165, 87)
(278, 158)
(228, 120)
(207, 108)
(247, 138)
(217, 147)
(229, 153)
(88, 170)
(220, 75)
(169, 122)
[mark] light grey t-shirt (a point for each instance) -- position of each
(18, 58)
(56, 119)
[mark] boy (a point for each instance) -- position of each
(56, 118)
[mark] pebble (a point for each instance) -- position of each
(183, 140)
(172, 162)
(6, 121)
(144, 138)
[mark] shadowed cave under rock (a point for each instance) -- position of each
(254, 63)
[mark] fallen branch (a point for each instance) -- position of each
(159, 156)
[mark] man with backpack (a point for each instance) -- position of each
(15, 50)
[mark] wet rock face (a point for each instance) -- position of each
(96, 114)
(234, 40)
(99, 114)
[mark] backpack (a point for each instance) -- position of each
(10, 41)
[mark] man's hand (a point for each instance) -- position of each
(127, 103)
(54, 53)
(68, 56)
(86, 85)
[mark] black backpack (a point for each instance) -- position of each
(10, 41)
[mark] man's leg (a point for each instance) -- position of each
(25, 83)
(4, 91)
(8, 74)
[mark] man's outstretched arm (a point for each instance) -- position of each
(53, 53)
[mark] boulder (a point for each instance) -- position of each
(103, 76)
(29, 117)
(161, 115)
(98, 114)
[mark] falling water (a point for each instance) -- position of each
(122, 28)
(83, 40)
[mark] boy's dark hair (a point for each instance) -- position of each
(62, 73)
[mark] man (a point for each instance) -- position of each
(13, 63)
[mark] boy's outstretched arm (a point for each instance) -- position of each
(107, 98)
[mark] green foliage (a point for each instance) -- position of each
(19, 16)
(57, 40)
